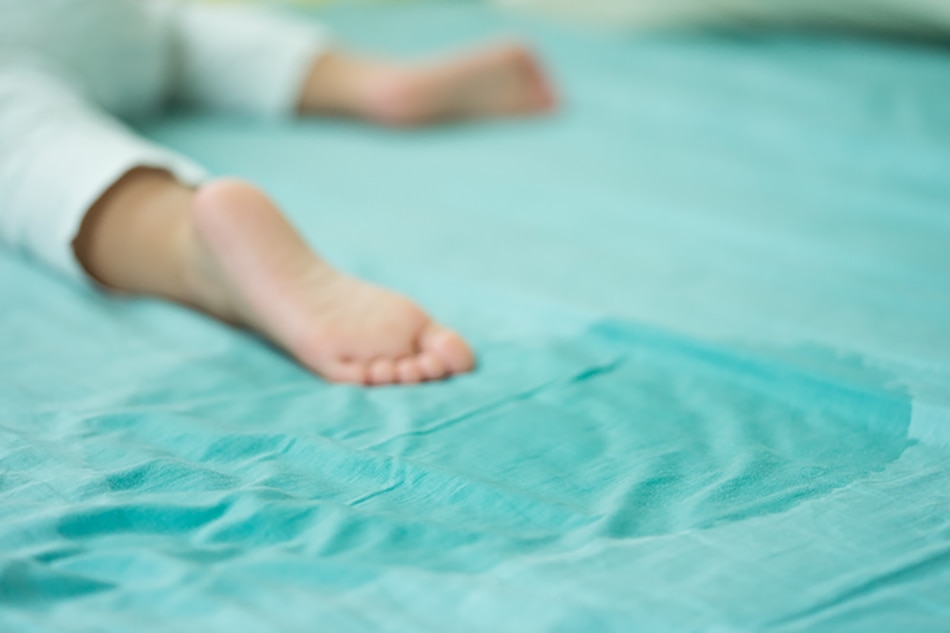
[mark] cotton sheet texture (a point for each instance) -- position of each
(711, 299)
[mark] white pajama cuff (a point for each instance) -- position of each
(104, 162)
(245, 60)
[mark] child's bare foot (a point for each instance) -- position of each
(228, 251)
(250, 266)
(499, 80)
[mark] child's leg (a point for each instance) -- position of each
(73, 193)
(226, 249)
(243, 59)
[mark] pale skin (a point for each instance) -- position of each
(225, 249)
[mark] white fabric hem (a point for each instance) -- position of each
(58, 251)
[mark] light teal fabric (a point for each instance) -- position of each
(711, 299)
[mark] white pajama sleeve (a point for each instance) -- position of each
(243, 59)
(58, 156)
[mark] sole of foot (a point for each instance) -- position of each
(247, 265)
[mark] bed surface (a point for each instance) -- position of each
(711, 300)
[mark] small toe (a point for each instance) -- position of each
(382, 371)
(408, 371)
(346, 372)
(451, 348)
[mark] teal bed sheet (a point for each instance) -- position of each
(711, 299)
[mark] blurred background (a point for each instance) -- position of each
(924, 17)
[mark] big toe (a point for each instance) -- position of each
(449, 347)
(540, 94)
